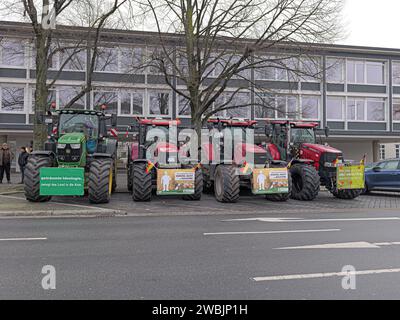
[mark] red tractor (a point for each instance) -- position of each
(311, 164)
(153, 163)
(224, 177)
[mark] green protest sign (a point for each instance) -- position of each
(62, 181)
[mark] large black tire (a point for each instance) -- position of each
(114, 180)
(198, 187)
(141, 183)
(226, 184)
(100, 180)
(32, 178)
(347, 194)
(130, 177)
(281, 197)
(305, 182)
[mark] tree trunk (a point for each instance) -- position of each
(41, 93)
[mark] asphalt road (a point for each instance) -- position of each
(203, 257)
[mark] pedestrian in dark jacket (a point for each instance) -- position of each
(5, 162)
(22, 161)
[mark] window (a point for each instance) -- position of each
(396, 109)
(396, 73)
(397, 147)
(109, 99)
(183, 106)
(355, 71)
(66, 94)
(310, 68)
(390, 165)
(309, 107)
(242, 100)
(53, 62)
(12, 99)
(159, 103)
(131, 102)
(371, 109)
(52, 98)
(334, 108)
(375, 72)
(131, 60)
(335, 70)
(286, 107)
(382, 152)
(365, 72)
(73, 57)
(107, 60)
(265, 106)
(355, 109)
(375, 110)
(12, 53)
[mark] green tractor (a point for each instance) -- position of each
(79, 157)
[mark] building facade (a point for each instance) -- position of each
(357, 95)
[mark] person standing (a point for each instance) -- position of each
(22, 161)
(5, 162)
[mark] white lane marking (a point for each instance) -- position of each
(269, 232)
(22, 239)
(323, 275)
(343, 245)
(312, 220)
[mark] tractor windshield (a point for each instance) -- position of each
(78, 122)
(302, 135)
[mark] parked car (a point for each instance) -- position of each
(383, 175)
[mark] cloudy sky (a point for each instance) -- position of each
(373, 23)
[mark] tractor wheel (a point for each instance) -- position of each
(198, 187)
(305, 182)
(281, 197)
(32, 178)
(114, 180)
(130, 177)
(141, 183)
(347, 194)
(226, 184)
(100, 180)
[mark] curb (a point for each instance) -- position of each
(61, 213)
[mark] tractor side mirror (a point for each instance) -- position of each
(327, 130)
(114, 120)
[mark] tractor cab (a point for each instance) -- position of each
(232, 129)
(288, 137)
(77, 133)
(153, 141)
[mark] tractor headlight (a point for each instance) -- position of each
(61, 146)
(75, 146)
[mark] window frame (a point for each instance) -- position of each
(147, 105)
(19, 86)
(365, 63)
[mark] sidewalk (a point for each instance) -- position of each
(13, 203)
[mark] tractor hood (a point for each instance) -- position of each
(166, 147)
(320, 148)
(250, 148)
(72, 138)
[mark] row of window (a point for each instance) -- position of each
(382, 152)
(356, 109)
(159, 103)
(132, 60)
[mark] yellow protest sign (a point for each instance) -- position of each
(175, 181)
(350, 177)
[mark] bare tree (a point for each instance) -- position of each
(219, 41)
(43, 16)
